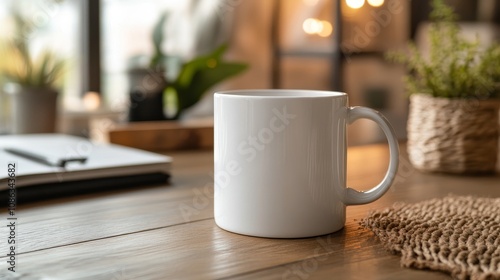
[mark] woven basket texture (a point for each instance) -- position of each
(453, 135)
(459, 235)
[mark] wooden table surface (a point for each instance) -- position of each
(168, 232)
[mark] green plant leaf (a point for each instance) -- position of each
(42, 71)
(201, 73)
(455, 67)
(204, 79)
(158, 37)
(23, 68)
(190, 68)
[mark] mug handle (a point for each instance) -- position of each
(354, 197)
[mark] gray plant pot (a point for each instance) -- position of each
(34, 110)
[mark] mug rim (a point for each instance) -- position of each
(280, 93)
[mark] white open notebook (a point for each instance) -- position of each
(103, 160)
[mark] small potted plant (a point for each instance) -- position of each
(148, 83)
(196, 77)
(31, 83)
(453, 119)
(154, 97)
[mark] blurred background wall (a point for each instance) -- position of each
(287, 44)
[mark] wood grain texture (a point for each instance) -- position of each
(167, 232)
(164, 135)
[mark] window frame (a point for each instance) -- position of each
(90, 46)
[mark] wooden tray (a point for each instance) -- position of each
(164, 135)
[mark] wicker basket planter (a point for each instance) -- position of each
(453, 135)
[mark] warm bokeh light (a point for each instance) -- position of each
(326, 29)
(91, 100)
(355, 4)
(313, 26)
(376, 3)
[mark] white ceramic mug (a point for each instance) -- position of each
(280, 161)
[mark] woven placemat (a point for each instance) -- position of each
(456, 234)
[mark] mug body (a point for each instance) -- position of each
(280, 162)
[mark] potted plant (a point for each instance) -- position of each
(154, 97)
(453, 117)
(31, 83)
(197, 76)
(148, 83)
